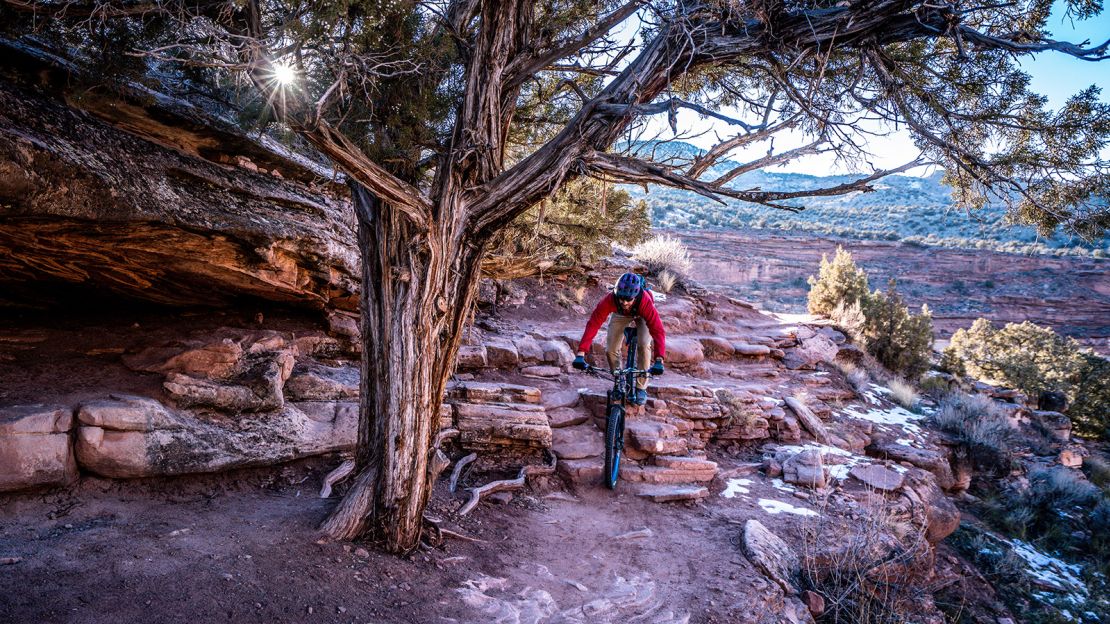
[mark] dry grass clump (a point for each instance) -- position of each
(983, 431)
(903, 394)
(667, 281)
(856, 376)
(870, 571)
(664, 253)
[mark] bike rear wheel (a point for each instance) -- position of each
(614, 444)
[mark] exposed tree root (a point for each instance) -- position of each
(476, 494)
(459, 468)
(343, 471)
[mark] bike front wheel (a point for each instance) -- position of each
(614, 444)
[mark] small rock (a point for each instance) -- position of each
(814, 602)
(877, 477)
(362, 553)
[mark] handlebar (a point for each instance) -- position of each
(602, 372)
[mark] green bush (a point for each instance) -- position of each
(879, 321)
(839, 282)
(1090, 410)
(899, 340)
(1034, 359)
(1025, 356)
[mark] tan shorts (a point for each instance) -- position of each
(617, 323)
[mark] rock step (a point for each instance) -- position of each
(669, 493)
(684, 463)
(660, 474)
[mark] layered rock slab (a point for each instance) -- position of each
(35, 450)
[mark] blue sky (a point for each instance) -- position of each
(1053, 74)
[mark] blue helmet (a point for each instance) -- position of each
(629, 286)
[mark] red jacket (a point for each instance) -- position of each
(645, 309)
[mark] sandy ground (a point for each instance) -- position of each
(242, 547)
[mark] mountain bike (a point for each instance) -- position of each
(616, 400)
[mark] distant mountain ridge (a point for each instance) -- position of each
(907, 208)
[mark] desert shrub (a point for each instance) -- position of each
(903, 393)
(856, 376)
(1098, 471)
(872, 571)
(1034, 359)
(849, 318)
(838, 282)
(899, 340)
(663, 253)
(934, 386)
(1025, 356)
(982, 431)
(1090, 410)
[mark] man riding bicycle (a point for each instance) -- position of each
(630, 301)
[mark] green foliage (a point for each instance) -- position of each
(839, 282)
(1090, 411)
(1026, 356)
(1033, 358)
(575, 228)
(899, 340)
(881, 322)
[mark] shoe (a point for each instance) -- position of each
(640, 398)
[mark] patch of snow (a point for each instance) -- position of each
(779, 484)
(894, 416)
(736, 486)
(776, 507)
(1051, 570)
(813, 446)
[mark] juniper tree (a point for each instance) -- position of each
(452, 117)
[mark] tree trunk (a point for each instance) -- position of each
(417, 287)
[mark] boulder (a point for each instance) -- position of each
(654, 437)
(808, 419)
(126, 437)
(258, 388)
(557, 353)
(928, 503)
(577, 442)
(849, 353)
(316, 382)
(751, 350)
(716, 348)
(566, 417)
(771, 556)
(541, 372)
(213, 360)
(806, 468)
(810, 352)
(35, 447)
(561, 398)
(1055, 424)
(933, 461)
(684, 353)
(501, 354)
(528, 350)
(877, 477)
(492, 392)
(579, 470)
(472, 357)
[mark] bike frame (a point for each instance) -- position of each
(624, 384)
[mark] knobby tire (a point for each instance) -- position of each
(614, 443)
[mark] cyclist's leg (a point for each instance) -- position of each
(643, 351)
(615, 338)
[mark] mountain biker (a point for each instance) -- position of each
(630, 301)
